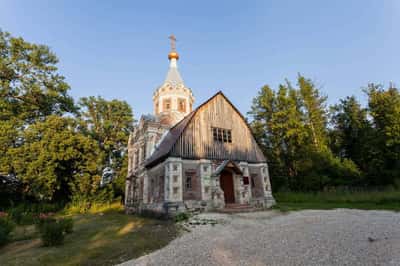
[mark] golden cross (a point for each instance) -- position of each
(173, 42)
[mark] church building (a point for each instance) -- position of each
(184, 159)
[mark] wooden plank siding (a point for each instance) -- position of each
(197, 142)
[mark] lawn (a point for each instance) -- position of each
(98, 239)
(374, 200)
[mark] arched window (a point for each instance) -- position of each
(166, 104)
(182, 105)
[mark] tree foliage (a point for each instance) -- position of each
(56, 148)
(30, 86)
(291, 125)
(56, 160)
(109, 123)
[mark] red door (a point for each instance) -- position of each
(226, 183)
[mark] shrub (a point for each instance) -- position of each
(43, 219)
(52, 233)
(182, 216)
(67, 224)
(26, 213)
(6, 227)
(52, 230)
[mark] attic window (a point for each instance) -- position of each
(222, 135)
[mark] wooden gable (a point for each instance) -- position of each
(196, 141)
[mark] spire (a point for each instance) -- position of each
(173, 76)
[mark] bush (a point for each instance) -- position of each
(52, 230)
(182, 216)
(67, 224)
(52, 233)
(6, 227)
(44, 219)
(26, 213)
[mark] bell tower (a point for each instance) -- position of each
(172, 100)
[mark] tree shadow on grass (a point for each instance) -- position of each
(97, 240)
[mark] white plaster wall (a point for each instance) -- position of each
(244, 166)
(205, 179)
(145, 188)
(175, 184)
(173, 93)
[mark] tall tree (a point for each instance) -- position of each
(109, 123)
(56, 161)
(291, 125)
(30, 86)
(277, 123)
(351, 131)
(315, 115)
(384, 108)
(30, 90)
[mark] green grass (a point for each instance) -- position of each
(376, 200)
(98, 239)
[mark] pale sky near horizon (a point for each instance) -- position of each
(118, 49)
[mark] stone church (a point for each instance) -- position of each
(183, 159)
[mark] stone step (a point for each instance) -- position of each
(237, 210)
(237, 206)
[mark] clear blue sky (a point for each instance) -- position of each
(118, 49)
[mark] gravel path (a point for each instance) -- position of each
(334, 237)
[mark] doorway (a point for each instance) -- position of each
(226, 183)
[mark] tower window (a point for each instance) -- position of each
(166, 104)
(182, 105)
(222, 135)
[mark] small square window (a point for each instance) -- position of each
(175, 190)
(215, 134)
(222, 135)
(188, 183)
(189, 179)
(175, 178)
(225, 135)
(246, 180)
(175, 167)
(206, 190)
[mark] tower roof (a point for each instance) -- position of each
(173, 76)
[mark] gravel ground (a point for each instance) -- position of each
(334, 237)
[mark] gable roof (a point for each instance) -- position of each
(167, 143)
(227, 164)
